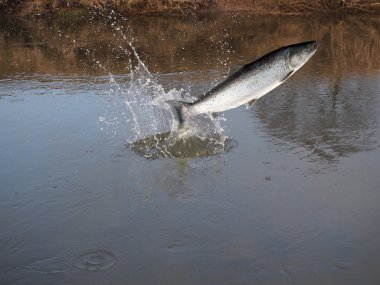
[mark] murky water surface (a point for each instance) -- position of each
(295, 200)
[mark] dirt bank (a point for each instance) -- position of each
(32, 8)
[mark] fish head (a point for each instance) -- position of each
(299, 54)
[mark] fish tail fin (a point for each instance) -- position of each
(179, 114)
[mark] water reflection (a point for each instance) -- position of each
(175, 44)
(181, 179)
(329, 118)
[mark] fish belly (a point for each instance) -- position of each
(235, 96)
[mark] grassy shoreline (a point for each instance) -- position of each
(33, 8)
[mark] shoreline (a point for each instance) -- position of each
(45, 8)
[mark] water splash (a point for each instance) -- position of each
(144, 117)
(145, 98)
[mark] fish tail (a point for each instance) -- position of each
(179, 113)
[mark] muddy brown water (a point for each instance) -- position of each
(295, 201)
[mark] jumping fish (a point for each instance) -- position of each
(247, 85)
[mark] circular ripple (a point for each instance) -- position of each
(95, 260)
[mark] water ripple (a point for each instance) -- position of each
(95, 260)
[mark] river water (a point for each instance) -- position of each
(293, 199)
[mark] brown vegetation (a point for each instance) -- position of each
(41, 7)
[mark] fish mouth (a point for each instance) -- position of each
(300, 53)
(308, 48)
(312, 46)
(309, 44)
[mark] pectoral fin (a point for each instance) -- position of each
(287, 76)
(250, 103)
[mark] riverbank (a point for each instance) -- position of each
(33, 8)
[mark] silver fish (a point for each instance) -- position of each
(247, 85)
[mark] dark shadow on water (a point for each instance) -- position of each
(156, 146)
